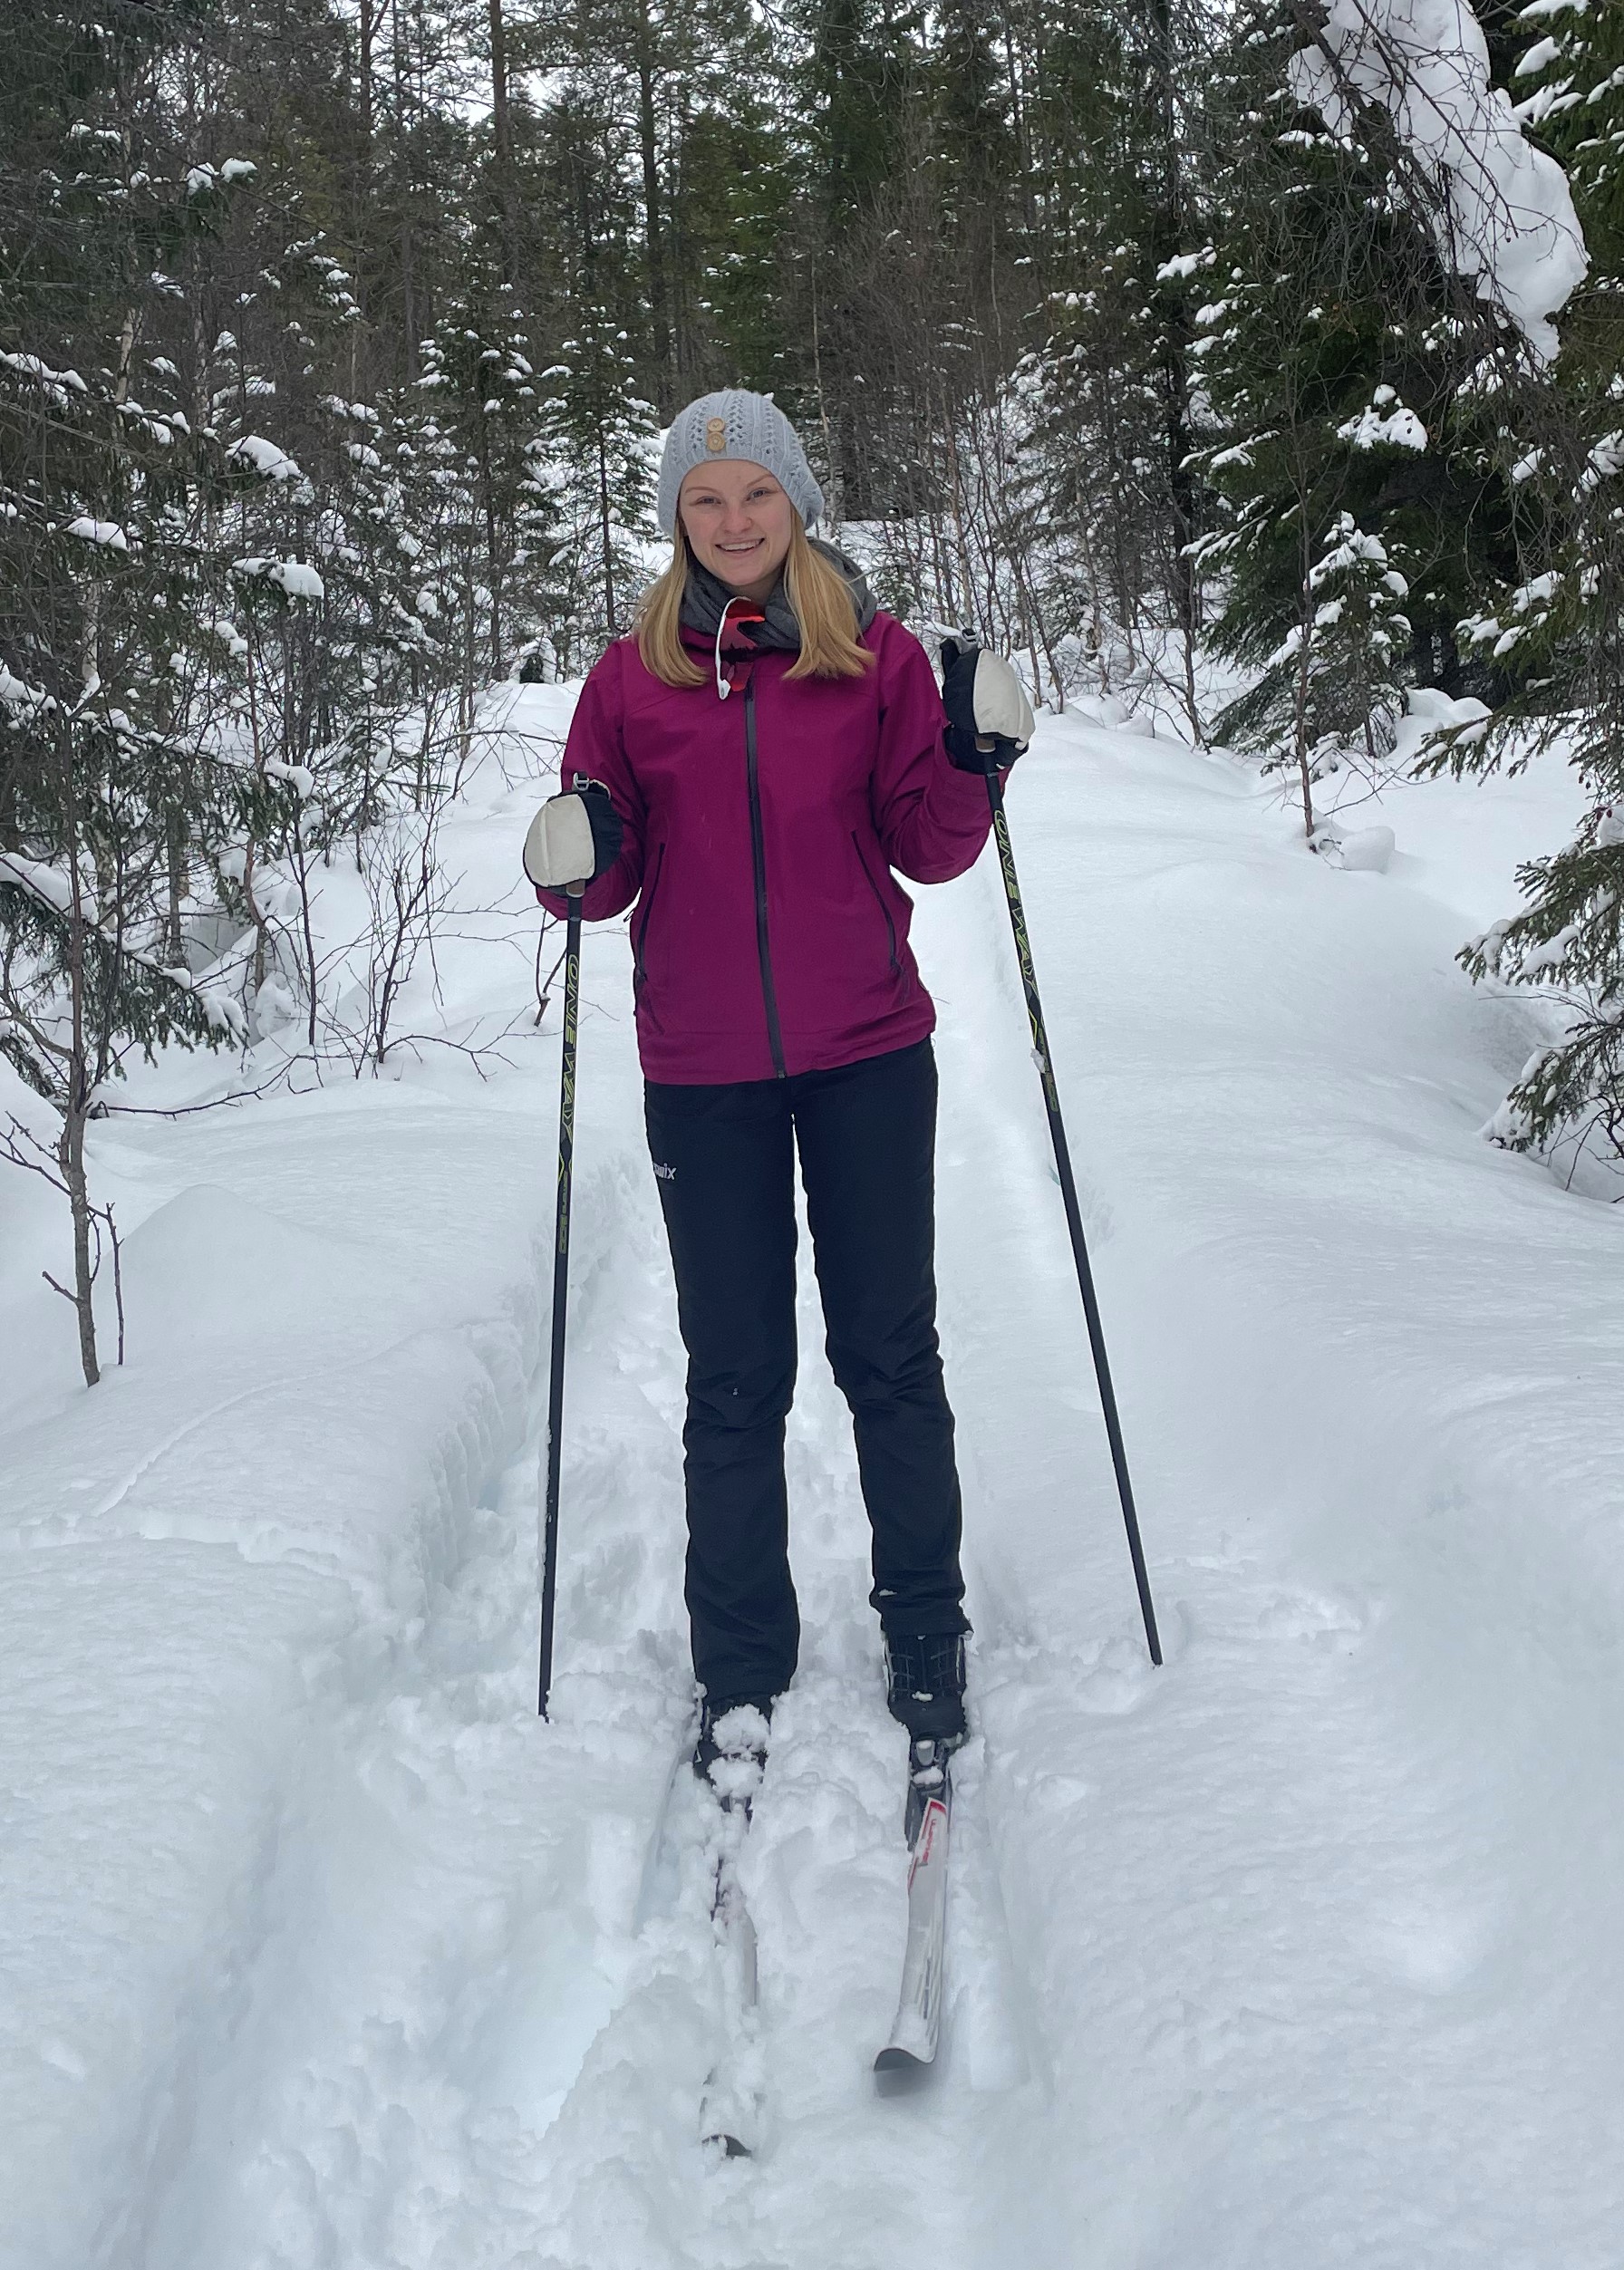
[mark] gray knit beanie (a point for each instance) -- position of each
(733, 423)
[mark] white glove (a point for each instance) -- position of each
(988, 713)
(1003, 711)
(559, 849)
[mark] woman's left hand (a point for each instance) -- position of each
(988, 718)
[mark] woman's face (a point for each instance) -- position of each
(739, 521)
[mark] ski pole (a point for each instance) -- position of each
(566, 1150)
(1085, 1275)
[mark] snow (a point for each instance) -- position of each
(48, 885)
(296, 578)
(1535, 58)
(1506, 218)
(1398, 428)
(103, 532)
(31, 366)
(1185, 263)
(201, 178)
(235, 644)
(318, 1948)
(266, 458)
(1364, 851)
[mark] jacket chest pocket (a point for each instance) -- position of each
(879, 900)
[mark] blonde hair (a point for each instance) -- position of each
(818, 599)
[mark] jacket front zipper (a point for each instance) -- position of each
(758, 853)
(880, 902)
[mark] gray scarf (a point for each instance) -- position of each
(706, 596)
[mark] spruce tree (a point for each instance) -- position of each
(595, 465)
(1346, 374)
(106, 563)
(1556, 622)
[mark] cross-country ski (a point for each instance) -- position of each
(728, 1762)
(915, 2031)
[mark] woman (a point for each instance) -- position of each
(749, 767)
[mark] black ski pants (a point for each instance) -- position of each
(724, 1157)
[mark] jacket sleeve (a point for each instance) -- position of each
(597, 746)
(931, 818)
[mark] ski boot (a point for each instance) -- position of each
(924, 1682)
(730, 1754)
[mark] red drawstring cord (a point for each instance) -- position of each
(731, 674)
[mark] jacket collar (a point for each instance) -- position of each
(720, 621)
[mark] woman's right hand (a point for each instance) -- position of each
(574, 838)
(989, 717)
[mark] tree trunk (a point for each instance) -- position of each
(501, 123)
(659, 312)
(1177, 438)
(69, 1158)
(604, 527)
(1451, 679)
(369, 23)
(177, 878)
(1305, 623)
(837, 497)
(493, 550)
(69, 1148)
(408, 298)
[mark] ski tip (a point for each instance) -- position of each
(731, 2147)
(897, 2069)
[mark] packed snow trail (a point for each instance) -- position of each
(1311, 1987)
(1300, 1950)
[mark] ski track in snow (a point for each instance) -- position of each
(1300, 1951)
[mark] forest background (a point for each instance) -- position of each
(1157, 344)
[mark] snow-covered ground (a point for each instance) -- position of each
(316, 1949)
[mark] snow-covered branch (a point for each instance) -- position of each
(1499, 209)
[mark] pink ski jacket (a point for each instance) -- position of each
(770, 936)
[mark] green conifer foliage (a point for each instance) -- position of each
(1556, 620)
(596, 465)
(105, 506)
(1347, 376)
(1330, 693)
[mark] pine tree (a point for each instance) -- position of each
(1558, 620)
(1330, 694)
(593, 464)
(106, 490)
(1346, 374)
